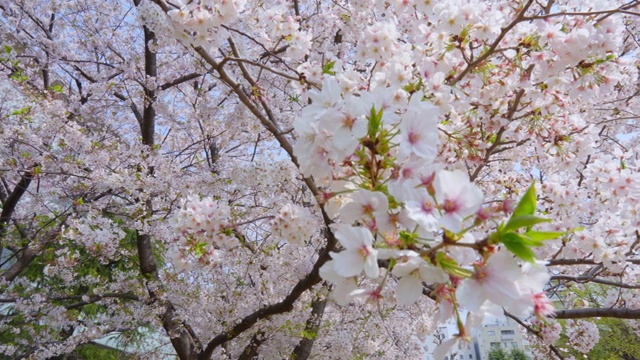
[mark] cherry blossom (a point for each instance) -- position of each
(493, 282)
(458, 198)
(358, 253)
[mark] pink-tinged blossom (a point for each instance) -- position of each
(293, 224)
(371, 296)
(358, 253)
(415, 172)
(412, 271)
(445, 302)
(417, 138)
(550, 330)
(419, 130)
(494, 282)
(422, 209)
(457, 197)
(543, 306)
(583, 335)
(343, 286)
(348, 124)
(328, 98)
(365, 204)
(531, 285)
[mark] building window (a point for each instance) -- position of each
(514, 344)
(491, 333)
(470, 356)
(508, 334)
(494, 345)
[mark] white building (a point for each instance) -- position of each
(499, 332)
(494, 332)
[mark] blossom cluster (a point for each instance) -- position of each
(584, 335)
(200, 22)
(205, 231)
(293, 224)
(400, 209)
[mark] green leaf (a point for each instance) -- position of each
(543, 235)
(56, 88)
(451, 266)
(524, 238)
(517, 222)
(527, 205)
(375, 122)
(516, 243)
(328, 68)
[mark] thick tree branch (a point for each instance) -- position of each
(180, 80)
(9, 205)
(303, 350)
(181, 339)
(620, 313)
(23, 261)
(250, 352)
(281, 307)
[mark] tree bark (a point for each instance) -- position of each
(620, 313)
(303, 350)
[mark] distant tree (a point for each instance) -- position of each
(619, 340)
(517, 354)
(498, 353)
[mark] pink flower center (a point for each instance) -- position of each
(374, 296)
(413, 137)
(427, 206)
(450, 206)
(480, 274)
(364, 251)
(367, 209)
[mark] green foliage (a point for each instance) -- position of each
(618, 341)
(523, 218)
(99, 352)
(498, 353)
(375, 122)
(40, 283)
(451, 266)
(412, 87)
(328, 68)
(56, 88)
(517, 354)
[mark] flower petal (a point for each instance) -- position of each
(409, 290)
(348, 263)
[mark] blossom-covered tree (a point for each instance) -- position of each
(315, 179)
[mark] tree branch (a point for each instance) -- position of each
(251, 350)
(620, 313)
(583, 279)
(519, 18)
(303, 350)
(9, 205)
(281, 307)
